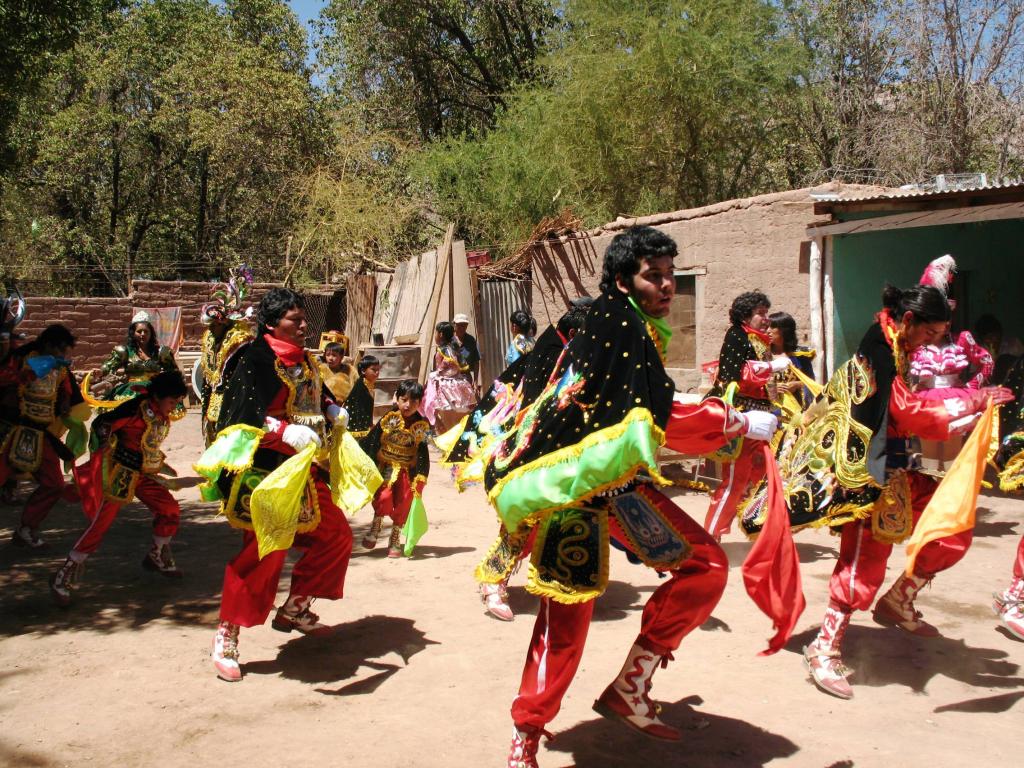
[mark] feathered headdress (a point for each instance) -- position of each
(227, 298)
(939, 273)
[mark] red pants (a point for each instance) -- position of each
(861, 568)
(250, 584)
(394, 500)
(1018, 564)
(165, 509)
(739, 476)
(49, 491)
(675, 608)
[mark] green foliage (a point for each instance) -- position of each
(430, 68)
(163, 144)
(651, 106)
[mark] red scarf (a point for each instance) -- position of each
(758, 334)
(289, 353)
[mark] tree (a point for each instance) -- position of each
(167, 147)
(643, 106)
(431, 68)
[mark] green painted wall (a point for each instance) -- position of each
(990, 256)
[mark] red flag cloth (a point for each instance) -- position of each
(771, 571)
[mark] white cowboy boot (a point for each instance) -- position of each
(823, 656)
(627, 698)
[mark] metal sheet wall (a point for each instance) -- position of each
(498, 300)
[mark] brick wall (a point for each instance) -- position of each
(101, 323)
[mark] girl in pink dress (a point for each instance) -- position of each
(449, 395)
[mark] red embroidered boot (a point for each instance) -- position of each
(395, 542)
(823, 656)
(161, 560)
(525, 742)
(1009, 606)
(627, 699)
(896, 607)
(295, 615)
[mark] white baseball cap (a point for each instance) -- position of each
(460, 318)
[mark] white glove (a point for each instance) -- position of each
(761, 425)
(299, 436)
(272, 424)
(337, 415)
(780, 363)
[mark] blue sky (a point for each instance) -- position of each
(307, 10)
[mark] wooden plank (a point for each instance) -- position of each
(932, 218)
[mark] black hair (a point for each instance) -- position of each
(447, 331)
(987, 325)
(56, 336)
(627, 249)
(787, 327)
(366, 361)
(571, 320)
(334, 346)
(167, 384)
(275, 304)
(152, 346)
(523, 323)
(411, 388)
(926, 303)
(743, 306)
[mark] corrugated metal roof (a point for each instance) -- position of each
(950, 187)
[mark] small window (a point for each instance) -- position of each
(682, 319)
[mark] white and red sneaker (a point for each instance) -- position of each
(1009, 607)
(495, 600)
(225, 652)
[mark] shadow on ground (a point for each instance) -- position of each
(882, 656)
(722, 741)
(115, 592)
(339, 655)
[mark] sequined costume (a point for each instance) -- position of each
(217, 361)
(399, 445)
(32, 408)
(743, 367)
(937, 370)
(132, 368)
(271, 388)
(519, 346)
(125, 459)
(849, 466)
(578, 466)
(359, 405)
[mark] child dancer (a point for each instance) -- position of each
(337, 374)
(125, 459)
(398, 442)
(359, 402)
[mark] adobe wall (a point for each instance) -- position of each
(101, 323)
(756, 243)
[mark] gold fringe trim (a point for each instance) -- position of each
(571, 452)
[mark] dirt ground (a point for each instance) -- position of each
(415, 674)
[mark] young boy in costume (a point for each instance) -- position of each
(37, 389)
(398, 442)
(359, 402)
(125, 460)
(338, 375)
(273, 408)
